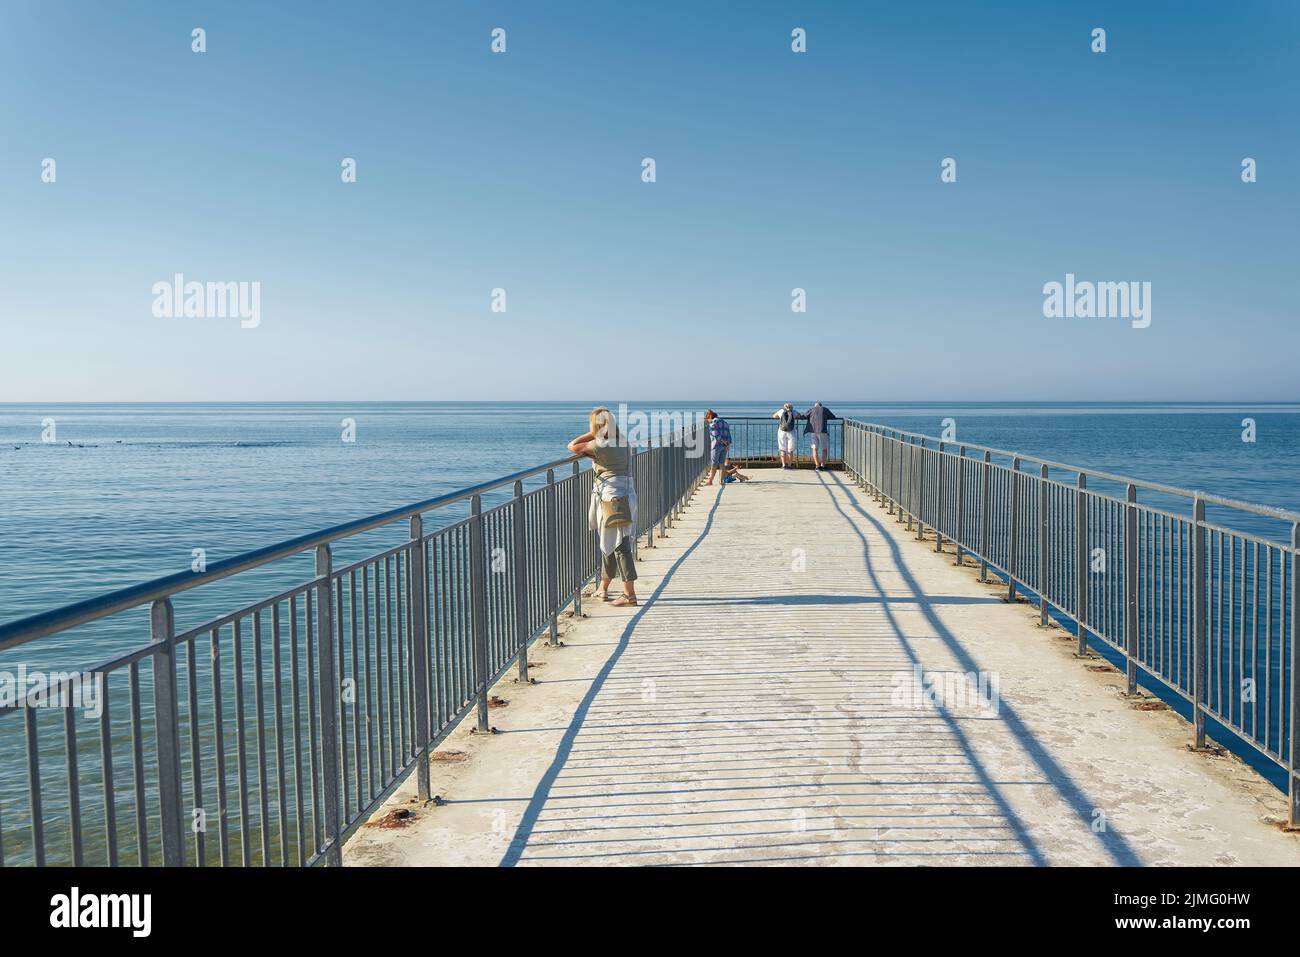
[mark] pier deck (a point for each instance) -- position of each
(761, 707)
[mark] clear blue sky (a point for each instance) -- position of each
(522, 171)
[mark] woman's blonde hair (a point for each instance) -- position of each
(603, 426)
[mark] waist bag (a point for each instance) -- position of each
(616, 512)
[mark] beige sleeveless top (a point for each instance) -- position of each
(611, 460)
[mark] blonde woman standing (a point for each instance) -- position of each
(612, 513)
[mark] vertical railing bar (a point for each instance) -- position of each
(552, 557)
(985, 503)
(259, 702)
(1199, 641)
(478, 609)
(277, 688)
(1130, 588)
(162, 624)
(219, 734)
(381, 674)
(313, 761)
(1013, 536)
(961, 504)
(241, 748)
(358, 722)
(418, 610)
(328, 705)
(401, 568)
(34, 783)
(520, 530)
(74, 783)
(106, 758)
(939, 500)
(1254, 642)
(442, 629)
(464, 538)
(196, 751)
(137, 748)
(1293, 749)
(579, 539)
(391, 643)
(300, 825)
(1241, 641)
(1268, 646)
(1042, 545)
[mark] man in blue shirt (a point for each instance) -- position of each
(720, 433)
(817, 431)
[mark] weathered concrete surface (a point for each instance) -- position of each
(758, 709)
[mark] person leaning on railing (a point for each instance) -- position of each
(788, 421)
(817, 430)
(612, 513)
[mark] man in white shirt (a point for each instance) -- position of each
(787, 421)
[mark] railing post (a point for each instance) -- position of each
(418, 591)
(579, 544)
(1082, 566)
(329, 691)
(1013, 550)
(665, 483)
(1042, 545)
(908, 503)
(896, 476)
(918, 502)
(892, 472)
(647, 495)
(985, 481)
(478, 607)
(939, 501)
(520, 537)
(1131, 587)
(553, 557)
(899, 486)
(1293, 765)
(961, 502)
(881, 468)
(167, 717)
(918, 483)
(887, 473)
(1200, 636)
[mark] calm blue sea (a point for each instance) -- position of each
(126, 491)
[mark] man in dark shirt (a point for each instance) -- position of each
(816, 429)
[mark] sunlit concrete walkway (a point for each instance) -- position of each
(761, 707)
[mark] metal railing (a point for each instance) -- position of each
(1198, 591)
(265, 735)
(753, 441)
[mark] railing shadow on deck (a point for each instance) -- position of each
(1070, 792)
(538, 800)
(946, 806)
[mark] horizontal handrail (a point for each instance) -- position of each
(1209, 498)
(78, 613)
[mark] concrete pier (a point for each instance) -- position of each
(805, 683)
